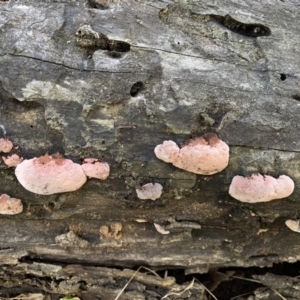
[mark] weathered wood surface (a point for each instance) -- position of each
(193, 67)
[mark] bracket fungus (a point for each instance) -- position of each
(5, 145)
(149, 191)
(13, 160)
(293, 225)
(161, 229)
(95, 169)
(205, 155)
(47, 175)
(10, 206)
(259, 188)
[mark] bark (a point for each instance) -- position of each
(193, 67)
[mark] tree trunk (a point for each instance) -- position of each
(164, 70)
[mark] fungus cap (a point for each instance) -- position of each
(259, 188)
(168, 151)
(293, 225)
(205, 155)
(48, 175)
(149, 191)
(93, 168)
(13, 160)
(161, 229)
(5, 145)
(10, 206)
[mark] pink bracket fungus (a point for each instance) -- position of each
(5, 145)
(205, 155)
(10, 206)
(149, 191)
(12, 161)
(93, 168)
(47, 175)
(293, 225)
(259, 188)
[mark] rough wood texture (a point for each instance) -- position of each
(222, 66)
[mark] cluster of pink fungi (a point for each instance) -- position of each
(5, 147)
(208, 155)
(205, 155)
(48, 174)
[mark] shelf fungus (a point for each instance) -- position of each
(5, 145)
(95, 169)
(12, 161)
(149, 191)
(259, 188)
(161, 229)
(47, 175)
(293, 225)
(10, 206)
(205, 155)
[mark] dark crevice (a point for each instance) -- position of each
(224, 283)
(98, 4)
(251, 30)
(136, 88)
(296, 97)
(114, 54)
(120, 46)
(33, 258)
(282, 77)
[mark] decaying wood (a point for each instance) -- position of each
(193, 67)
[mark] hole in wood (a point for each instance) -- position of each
(296, 97)
(98, 4)
(251, 30)
(282, 77)
(136, 88)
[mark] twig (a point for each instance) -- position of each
(151, 271)
(258, 281)
(241, 295)
(25, 297)
(206, 289)
(247, 279)
(179, 293)
(125, 286)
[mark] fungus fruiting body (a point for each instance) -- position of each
(205, 155)
(13, 160)
(95, 169)
(259, 188)
(50, 175)
(149, 191)
(10, 206)
(293, 225)
(161, 229)
(5, 145)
